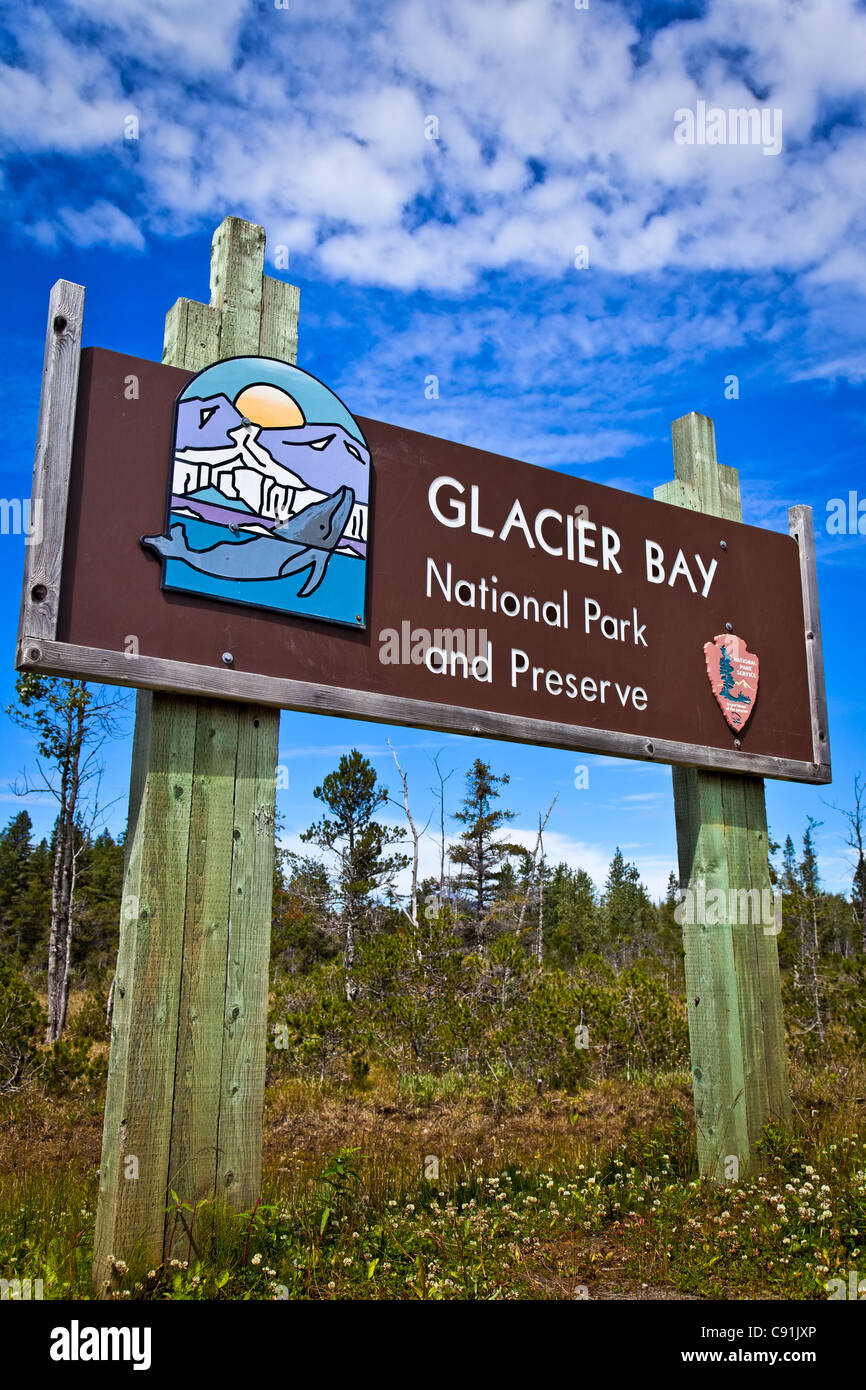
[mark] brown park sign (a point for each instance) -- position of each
(485, 596)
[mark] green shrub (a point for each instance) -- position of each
(89, 1021)
(22, 1027)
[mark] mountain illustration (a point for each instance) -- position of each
(219, 499)
(204, 422)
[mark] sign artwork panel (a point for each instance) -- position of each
(269, 494)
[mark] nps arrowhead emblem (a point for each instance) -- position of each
(733, 674)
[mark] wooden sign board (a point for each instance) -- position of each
(499, 598)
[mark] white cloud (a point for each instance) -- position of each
(102, 224)
(317, 122)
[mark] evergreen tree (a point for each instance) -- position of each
(478, 848)
(572, 919)
(726, 673)
(353, 795)
(669, 933)
(99, 890)
(626, 911)
(792, 901)
(790, 878)
(16, 851)
(35, 909)
(809, 876)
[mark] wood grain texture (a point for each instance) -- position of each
(242, 1085)
(237, 259)
(191, 329)
(739, 1065)
(58, 658)
(195, 1112)
(713, 1006)
(131, 1210)
(766, 955)
(278, 336)
(111, 1171)
(187, 1065)
(800, 526)
(743, 872)
(43, 549)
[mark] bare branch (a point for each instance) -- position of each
(535, 860)
(413, 915)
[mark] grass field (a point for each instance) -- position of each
(552, 1196)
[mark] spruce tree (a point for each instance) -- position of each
(626, 909)
(16, 852)
(478, 848)
(353, 795)
(572, 913)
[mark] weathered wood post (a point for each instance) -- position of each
(736, 1029)
(186, 1071)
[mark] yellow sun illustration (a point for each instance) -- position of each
(269, 406)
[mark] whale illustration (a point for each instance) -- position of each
(307, 539)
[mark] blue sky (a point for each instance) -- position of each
(455, 257)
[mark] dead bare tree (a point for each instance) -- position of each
(72, 722)
(414, 832)
(856, 840)
(441, 795)
(537, 861)
(416, 842)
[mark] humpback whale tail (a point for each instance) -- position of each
(174, 545)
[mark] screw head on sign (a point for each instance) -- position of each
(227, 658)
(723, 544)
(737, 743)
(729, 627)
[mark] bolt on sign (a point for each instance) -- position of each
(238, 533)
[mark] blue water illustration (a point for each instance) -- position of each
(341, 592)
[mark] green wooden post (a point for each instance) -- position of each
(189, 1025)
(736, 1030)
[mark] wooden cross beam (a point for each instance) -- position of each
(189, 1024)
(736, 1030)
